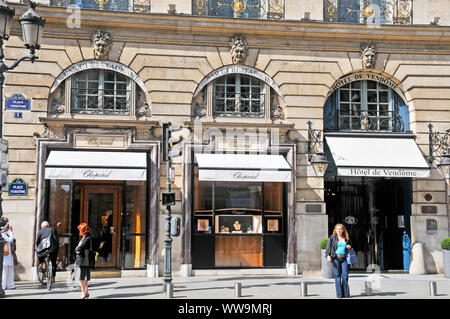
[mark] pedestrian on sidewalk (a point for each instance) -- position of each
(82, 261)
(8, 259)
(337, 249)
(47, 242)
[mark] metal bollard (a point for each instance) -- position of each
(433, 288)
(304, 289)
(237, 290)
(169, 291)
(368, 288)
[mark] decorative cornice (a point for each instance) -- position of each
(283, 127)
(214, 26)
(62, 122)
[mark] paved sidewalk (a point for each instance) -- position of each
(385, 286)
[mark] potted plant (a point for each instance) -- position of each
(445, 245)
(327, 267)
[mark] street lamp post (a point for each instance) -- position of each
(439, 146)
(32, 27)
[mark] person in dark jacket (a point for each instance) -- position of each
(337, 249)
(47, 232)
(82, 261)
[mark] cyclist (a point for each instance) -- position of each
(47, 242)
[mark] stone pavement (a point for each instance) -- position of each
(276, 287)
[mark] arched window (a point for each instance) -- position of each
(238, 94)
(100, 91)
(366, 106)
(108, 88)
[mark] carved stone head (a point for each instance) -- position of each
(238, 49)
(101, 42)
(368, 55)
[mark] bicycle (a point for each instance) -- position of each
(45, 274)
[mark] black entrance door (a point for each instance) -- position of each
(375, 212)
(392, 199)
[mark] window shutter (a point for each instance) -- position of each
(400, 113)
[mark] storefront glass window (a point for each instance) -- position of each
(59, 209)
(116, 212)
(238, 196)
(134, 225)
(236, 223)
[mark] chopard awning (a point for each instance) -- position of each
(243, 168)
(96, 165)
(374, 155)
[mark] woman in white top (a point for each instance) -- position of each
(8, 260)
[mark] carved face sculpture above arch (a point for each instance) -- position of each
(238, 49)
(368, 55)
(101, 43)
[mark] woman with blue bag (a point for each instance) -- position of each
(338, 246)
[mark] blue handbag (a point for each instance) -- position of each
(351, 257)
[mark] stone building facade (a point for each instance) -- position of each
(169, 64)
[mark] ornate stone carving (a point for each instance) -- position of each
(142, 107)
(276, 112)
(368, 55)
(48, 133)
(238, 49)
(143, 110)
(200, 107)
(58, 105)
(58, 108)
(101, 42)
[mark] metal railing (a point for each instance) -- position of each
(138, 6)
(100, 101)
(245, 104)
(241, 9)
(368, 11)
(389, 121)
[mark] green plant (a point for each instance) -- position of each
(324, 243)
(445, 244)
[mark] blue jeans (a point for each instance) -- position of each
(340, 269)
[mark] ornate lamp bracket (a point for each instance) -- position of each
(315, 151)
(438, 144)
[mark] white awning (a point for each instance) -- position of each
(383, 156)
(243, 168)
(96, 165)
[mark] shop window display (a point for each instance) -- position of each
(234, 218)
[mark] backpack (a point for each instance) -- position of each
(49, 243)
(44, 244)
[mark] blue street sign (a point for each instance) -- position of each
(18, 187)
(18, 102)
